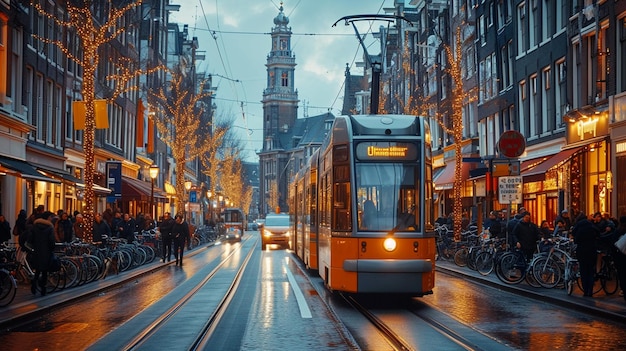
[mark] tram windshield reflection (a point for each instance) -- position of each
(387, 196)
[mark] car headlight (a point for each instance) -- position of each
(389, 244)
(267, 233)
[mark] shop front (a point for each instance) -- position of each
(589, 184)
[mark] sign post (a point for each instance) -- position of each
(510, 190)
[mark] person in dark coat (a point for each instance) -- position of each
(20, 225)
(41, 237)
(585, 234)
(100, 228)
(180, 234)
(116, 223)
(525, 235)
(494, 224)
(5, 229)
(565, 219)
(63, 229)
(128, 228)
(166, 235)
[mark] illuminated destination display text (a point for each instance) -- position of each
(392, 151)
(386, 151)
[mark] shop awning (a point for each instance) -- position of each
(60, 175)
(97, 189)
(24, 170)
(538, 173)
(445, 179)
(138, 189)
(170, 189)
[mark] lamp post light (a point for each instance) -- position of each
(208, 196)
(187, 187)
(154, 173)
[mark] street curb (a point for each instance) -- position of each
(566, 301)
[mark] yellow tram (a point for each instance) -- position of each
(362, 207)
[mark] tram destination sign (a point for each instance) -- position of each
(510, 190)
(386, 151)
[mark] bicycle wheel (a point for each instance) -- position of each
(71, 272)
(53, 281)
(471, 258)
(125, 259)
(8, 288)
(484, 263)
(460, 257)
(509, 271)
(608, 277)
(150, 254)
(546, 272)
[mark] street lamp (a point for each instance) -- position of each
(208, 196)
(187, 187)
(154, 173)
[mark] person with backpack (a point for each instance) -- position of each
(42, 241)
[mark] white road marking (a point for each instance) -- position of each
(305, 312)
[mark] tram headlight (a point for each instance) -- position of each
(389, 244)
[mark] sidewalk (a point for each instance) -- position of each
(606, 306)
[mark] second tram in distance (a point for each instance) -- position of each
(362, 207)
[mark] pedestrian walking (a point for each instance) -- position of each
(63, 229)
(41, 239)
(585, 234)
(166, 235)
(180, 234)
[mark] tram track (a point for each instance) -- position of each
(414, 324)
(388, 334)
(178, 308)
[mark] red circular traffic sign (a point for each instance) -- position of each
(512, 144)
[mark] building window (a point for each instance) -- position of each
(284, 79)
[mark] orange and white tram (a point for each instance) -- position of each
(362, 207)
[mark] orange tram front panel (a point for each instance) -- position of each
(362, 265)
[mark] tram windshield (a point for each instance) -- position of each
(387, 196)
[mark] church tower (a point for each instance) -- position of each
(280, 99)
(280, 110)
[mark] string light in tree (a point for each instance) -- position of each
(459, 97)
(93, 35)
(177, 109)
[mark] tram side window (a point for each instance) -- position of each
(342, 219)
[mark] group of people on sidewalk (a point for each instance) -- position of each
(593, 235)
(38, 234)
(174, 231)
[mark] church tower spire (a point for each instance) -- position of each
(280, 110)
(280, 98)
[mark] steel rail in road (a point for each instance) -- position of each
(149, 334)
(392, 338)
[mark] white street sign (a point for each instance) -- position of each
(510, 190)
